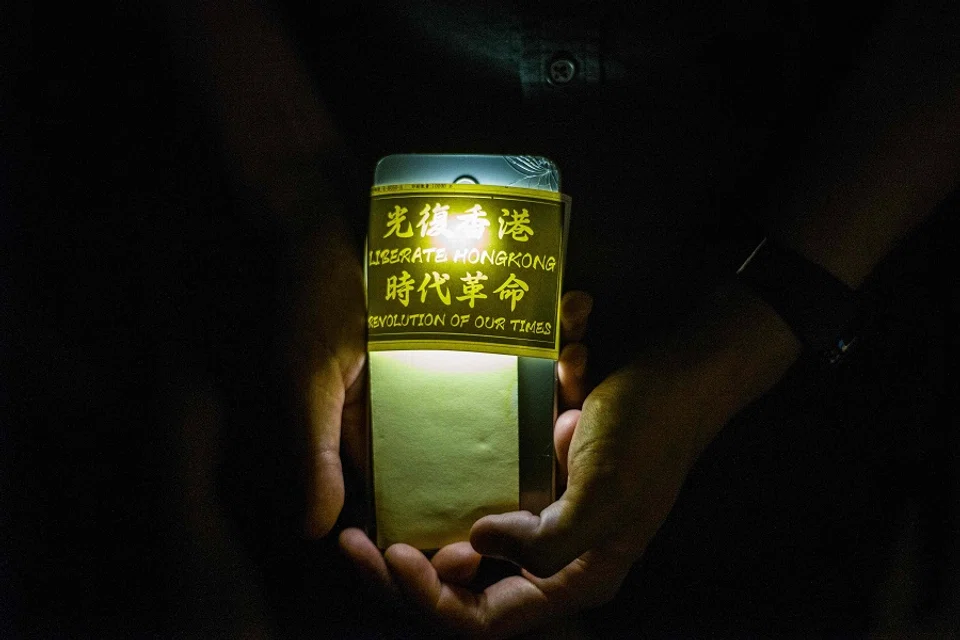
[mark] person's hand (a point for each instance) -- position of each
(329, 335)
(625, 469)
(327, 357)
(627, 454)
(575, 310)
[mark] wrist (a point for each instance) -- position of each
(820, 309)
(726, 354)
(743, 347)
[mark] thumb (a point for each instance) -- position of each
(546, 543)
(582, 519)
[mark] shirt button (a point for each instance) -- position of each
(561, 70)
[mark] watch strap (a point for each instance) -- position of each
(819, 308)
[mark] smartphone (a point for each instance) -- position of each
(461, 412)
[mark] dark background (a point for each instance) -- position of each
(139, 288)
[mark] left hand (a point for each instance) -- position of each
(327, 358)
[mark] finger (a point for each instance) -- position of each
(416, 577)
(575, 309)
(504, 609)
(368, 560)
(547, 543)
(572, 372)
(514, 604)
(457, 563)
(562, 436)
(511, 605)
(593, 579)
(325, 398)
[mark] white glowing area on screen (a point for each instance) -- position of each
(455, 231)
(451, 361)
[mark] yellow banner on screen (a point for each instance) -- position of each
(465, 267)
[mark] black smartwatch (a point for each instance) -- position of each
(819, 308)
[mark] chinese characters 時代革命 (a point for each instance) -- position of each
(398, 288)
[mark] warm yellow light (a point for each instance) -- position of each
(464, 266)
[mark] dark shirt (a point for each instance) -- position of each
(668, 121)
(138, 285)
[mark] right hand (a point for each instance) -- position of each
(627, 454)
